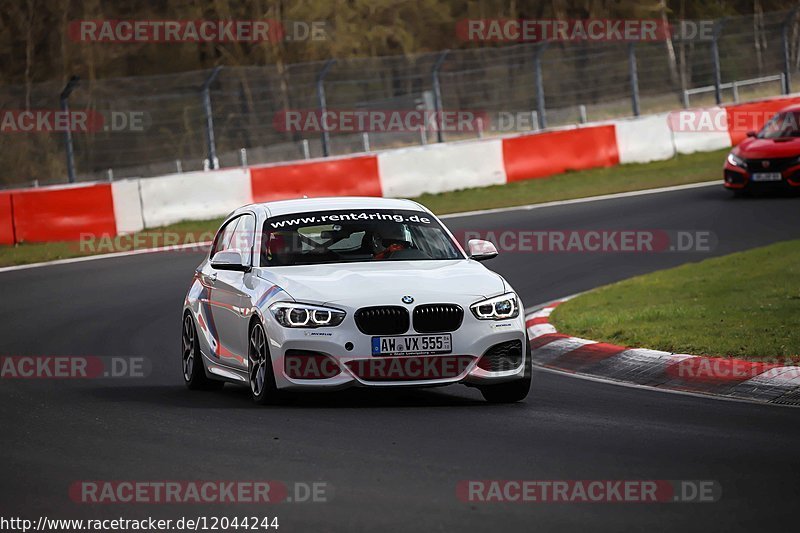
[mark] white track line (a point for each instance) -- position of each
(585, 200)
(105, 256)
(451, 215)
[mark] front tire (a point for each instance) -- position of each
(512, 391)
(261, 378)
(194, 375)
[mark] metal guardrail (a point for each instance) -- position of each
(734, 86)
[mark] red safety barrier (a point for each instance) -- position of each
(545, 154)
(752, 116)
(356, 176)
(6, 219)
(62, 214)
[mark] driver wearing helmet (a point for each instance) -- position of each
(388, 240)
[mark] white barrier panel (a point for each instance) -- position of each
(644, 139)
(700, 130)
(441, 167)
(127, 206)
(194, 195)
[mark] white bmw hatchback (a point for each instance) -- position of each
(329, 293)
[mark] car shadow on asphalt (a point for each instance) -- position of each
(237, 397)
(743, 196)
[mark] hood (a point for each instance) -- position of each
(373, 283)
(754, 148)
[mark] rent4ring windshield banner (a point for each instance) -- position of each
(330, 217)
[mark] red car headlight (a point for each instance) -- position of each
(736, 161)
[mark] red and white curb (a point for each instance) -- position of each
(716, 376)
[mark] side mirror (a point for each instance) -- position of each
(481, 250)
(751, 133)
(229, 260)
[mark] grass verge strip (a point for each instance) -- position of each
(744, 305)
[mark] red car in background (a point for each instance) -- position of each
(769, 159)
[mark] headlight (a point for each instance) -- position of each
(294, 315)
(497, 308)
(735, 160)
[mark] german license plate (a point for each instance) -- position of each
(411, 345)
(767, 176)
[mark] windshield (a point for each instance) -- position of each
(786, 124)
(355, 236)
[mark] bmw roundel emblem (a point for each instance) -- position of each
(408, 300)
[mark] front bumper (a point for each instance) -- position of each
(738, 178)
(357, 368)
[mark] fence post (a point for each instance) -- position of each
(437, 94)
(634, 75)
(787, 78)
(582, 117)
(323, 105)
(213, 162)
(68, 88)
(537, 72)
(715, 60)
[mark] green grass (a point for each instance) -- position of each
(679, 170)
(744, 305)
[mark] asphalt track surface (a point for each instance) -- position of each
(393, 458)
